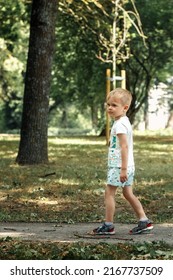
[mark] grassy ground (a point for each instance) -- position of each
(70, 188)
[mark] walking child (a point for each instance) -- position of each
(121, 164)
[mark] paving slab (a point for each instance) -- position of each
(55, 232)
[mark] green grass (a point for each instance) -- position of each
(71, 189)
(74, 192)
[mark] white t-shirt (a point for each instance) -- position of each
(121, 126)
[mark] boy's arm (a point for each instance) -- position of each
(124, 156)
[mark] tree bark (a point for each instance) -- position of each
(33, 147)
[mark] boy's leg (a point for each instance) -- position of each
(134, 202)
(110, 203)
(144, 223)
(108, 227)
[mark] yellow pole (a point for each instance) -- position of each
(108, 87)
(123, 82)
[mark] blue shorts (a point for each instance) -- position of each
(113, 177)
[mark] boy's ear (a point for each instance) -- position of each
(126, 107)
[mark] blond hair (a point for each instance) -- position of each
(123, 94)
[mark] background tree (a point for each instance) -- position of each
(151, 62)
(90, 25)
(83, 33)
(77, 73)
(145, 62)
(33, 142)
(13, 51)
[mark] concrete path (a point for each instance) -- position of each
(77, 232)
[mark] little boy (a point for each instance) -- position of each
(121, 164)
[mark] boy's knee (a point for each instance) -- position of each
(110, 190)
(127, 192)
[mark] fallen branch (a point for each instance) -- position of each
(12, 229)
(90, 236)
(48, 174)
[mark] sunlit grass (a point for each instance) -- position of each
(70, 188)
(77, 141)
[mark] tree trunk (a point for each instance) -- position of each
(170, 121)
(33, 148)
(94, 116)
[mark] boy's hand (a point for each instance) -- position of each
(123, 176)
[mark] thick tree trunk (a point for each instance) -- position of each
(33, 142)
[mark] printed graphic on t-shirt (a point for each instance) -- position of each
(114, 157)
(114, 153)
(121, 126)
(113, 143)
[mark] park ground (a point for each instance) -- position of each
(45, 210)
(54, 232)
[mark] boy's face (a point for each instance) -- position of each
(115, 108)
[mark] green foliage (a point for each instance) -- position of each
(153, 61)
(13, 51)
(77, 74)
(12, 249)
(72, 122)
(83, 32)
